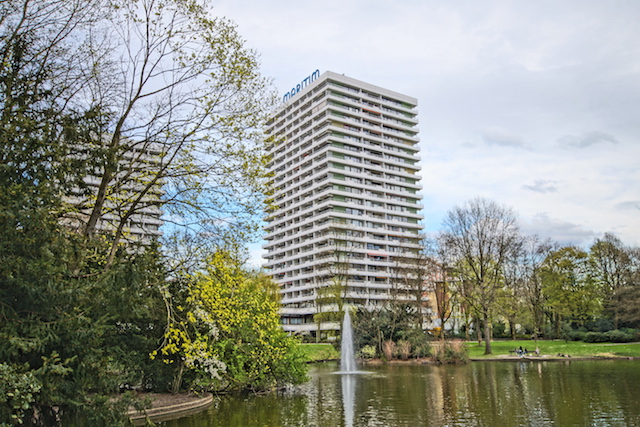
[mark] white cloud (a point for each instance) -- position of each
(587, 139)
(629, 205)
(563, 232)
(542, 186)
(502, 137)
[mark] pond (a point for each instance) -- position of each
(535, 393)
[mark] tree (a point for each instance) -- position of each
(439, 275)
(88, 90)
(164, 107)
(410, 282)
(54, 326)
(331, 293)
(570, 294)
(387, 324)
(530, 261)
(228, 332)
(171, 81)
(483, 236)
(612, 270)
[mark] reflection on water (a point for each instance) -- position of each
(576, 393)
(348, 382)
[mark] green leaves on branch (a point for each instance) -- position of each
(230, 334)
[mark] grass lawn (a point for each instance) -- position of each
(318, 352)
(552, 348)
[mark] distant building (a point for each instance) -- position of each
(346, 202)
(143, 226)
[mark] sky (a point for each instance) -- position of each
(532, 104)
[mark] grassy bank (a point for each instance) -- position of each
(553, 348)
(320, 352)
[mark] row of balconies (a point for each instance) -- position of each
(410, 231)
(369, 242)
(329, 219)
(349, 239)
(296, 215)
(370, 149)
(378, 206)
(381, 205)
(283, 260)
(308, 178)
(282, 263)
(368, 117)
(292, 146)
(316, 95)
(317, 175)
(286, 200)
(382, 103)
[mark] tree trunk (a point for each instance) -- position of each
(177, 378)
(487, 335)
(478, 328)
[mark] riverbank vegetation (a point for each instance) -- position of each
(480, 278)
(497, 282)
(555, 348)
(115, 113)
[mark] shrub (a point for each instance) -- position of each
(577, 335)
(454, 351)
(367, 352)
(500, 330)
(600, 325)
(389, 349)
(635, 333)
(421, 348)
(595, 337)
(419, 342)
(18, 391)
(404, 349)
(618, 336)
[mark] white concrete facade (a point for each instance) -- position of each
(345, 193)
(137, 171)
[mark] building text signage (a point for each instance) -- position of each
(304, 83)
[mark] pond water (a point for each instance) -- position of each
(537, 393)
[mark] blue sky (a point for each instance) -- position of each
(535, 105)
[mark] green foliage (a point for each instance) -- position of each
(393, 325)
(570, 293)
(592, 337)
(617, 335)
(500, 330)
(80, 311)
(230, 335)
(18, 391)
(451, 351)
(367, 352)
(577, 335)
(78, 333)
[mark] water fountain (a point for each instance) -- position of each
(347, 355)
(347, 369)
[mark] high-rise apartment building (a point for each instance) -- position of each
(137, 170)
(346, 203)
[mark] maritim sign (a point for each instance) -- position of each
(304, 83)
